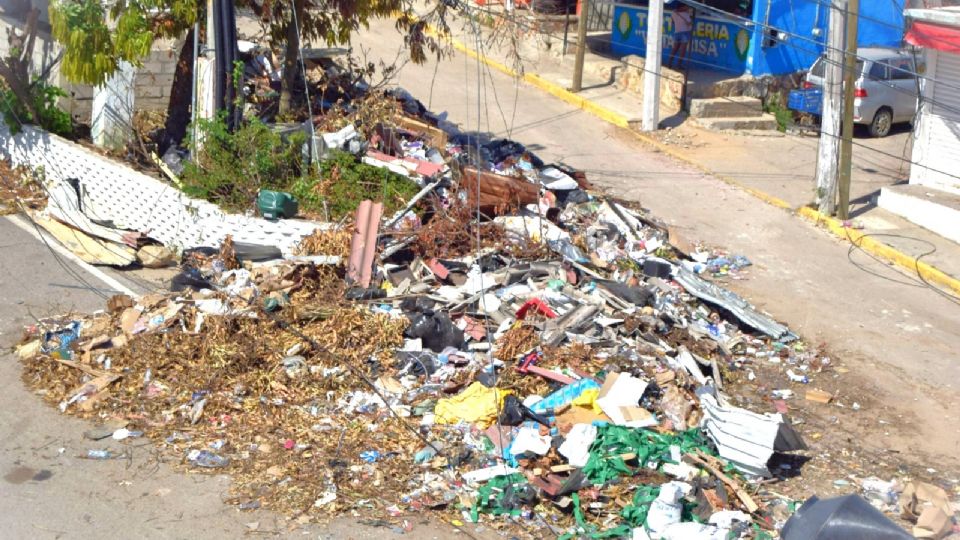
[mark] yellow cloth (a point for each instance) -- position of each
(477, 404)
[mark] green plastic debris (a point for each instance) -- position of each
(502, 495)
(634, 515)
(556, 284)
(605, 464)
(276, 204)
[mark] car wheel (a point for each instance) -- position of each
(882, 122)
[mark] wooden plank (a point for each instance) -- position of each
(165, 169)
(437, 137)
(702, 459)
(89, 249)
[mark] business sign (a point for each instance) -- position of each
(716, 43)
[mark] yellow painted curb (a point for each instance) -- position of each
(927, 272)
(557, 91)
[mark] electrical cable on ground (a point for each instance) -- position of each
(918, 281)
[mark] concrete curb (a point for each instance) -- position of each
(863, 241)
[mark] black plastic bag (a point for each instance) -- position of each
(189, 278)
(436, 331)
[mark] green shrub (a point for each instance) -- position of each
(44, 97)
(775, 106)
(343, 182)
(231, 168)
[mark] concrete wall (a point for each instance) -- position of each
(937, 145)
(152, 83)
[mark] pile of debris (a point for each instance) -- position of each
(510, 348)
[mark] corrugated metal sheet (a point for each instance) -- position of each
(745, 438)
(739, 307)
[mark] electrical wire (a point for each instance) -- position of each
(306, 85)
(746, 24)
(836, 136)
(918, 281)
(66, 268)
(73, 231)
(881, 22)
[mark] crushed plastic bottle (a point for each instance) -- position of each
(207, 459)
(802, 379)
(370, 456)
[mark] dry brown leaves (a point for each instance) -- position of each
(228, 255)
(19, 188)
(334, 242)
(286, 438)
(516, 341)
(366, 113)
(452, 232)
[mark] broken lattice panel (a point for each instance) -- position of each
(133, 200)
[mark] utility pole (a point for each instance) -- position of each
(651, 67)
(581, 45)
(849, 78)
(828, 153)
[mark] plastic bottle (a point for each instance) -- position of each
(207, 459)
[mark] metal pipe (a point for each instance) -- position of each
(195, 78)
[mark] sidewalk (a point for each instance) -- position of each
(776, 167)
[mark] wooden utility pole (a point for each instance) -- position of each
(828, 152)
(581, 45)
(651, 67)
(849, 78)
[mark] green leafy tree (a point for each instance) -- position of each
(94, 46)
(333, 22)
(98, 35)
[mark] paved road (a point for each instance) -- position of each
(899, 339)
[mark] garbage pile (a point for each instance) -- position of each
(511, 349)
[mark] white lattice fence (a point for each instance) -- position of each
(133, 200)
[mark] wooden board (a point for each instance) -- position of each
(89, 249)
(434, 135)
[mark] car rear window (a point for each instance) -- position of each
(878, 72)
(818, 67)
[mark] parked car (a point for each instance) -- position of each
(886, 88)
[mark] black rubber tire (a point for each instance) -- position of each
(881, 123)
